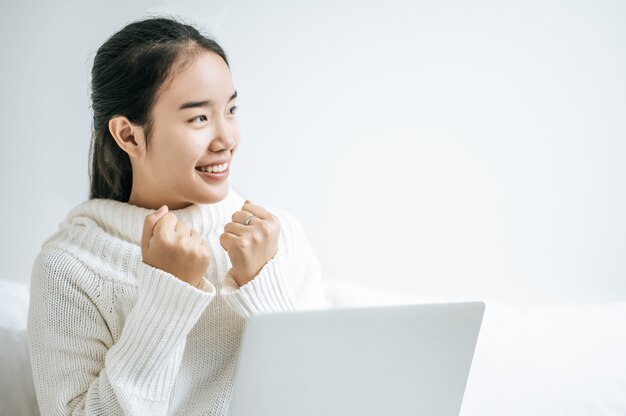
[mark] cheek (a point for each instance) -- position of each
(183, 150)
(236, 135)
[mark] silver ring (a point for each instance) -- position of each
(249, 219)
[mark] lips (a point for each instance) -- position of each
(214, 177)
(214, 169)
(214, 163)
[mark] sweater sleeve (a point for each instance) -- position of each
(291, 280)
(77, 369)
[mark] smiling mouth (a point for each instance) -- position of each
(215, 168)
(213, 176)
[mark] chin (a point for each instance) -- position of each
(216, 195)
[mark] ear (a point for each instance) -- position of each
(128, 135)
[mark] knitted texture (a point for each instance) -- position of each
(112, 335)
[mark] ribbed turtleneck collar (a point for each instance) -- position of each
(126, 221)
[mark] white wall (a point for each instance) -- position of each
(450, 148)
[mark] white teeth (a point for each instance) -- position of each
(216, 168)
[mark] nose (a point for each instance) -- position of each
(224, 137)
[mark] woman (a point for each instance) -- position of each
(139, 300)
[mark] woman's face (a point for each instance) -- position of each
(194, 124)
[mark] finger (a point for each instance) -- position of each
(257, 210)
(166, 224)
(236, 228)
(228, 240)
(182, 228)
(240, 217)
(197, 237)
(148, 226)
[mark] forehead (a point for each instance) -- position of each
(206, 77)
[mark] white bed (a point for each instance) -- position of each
(557, 360)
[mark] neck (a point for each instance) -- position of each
(156, 203)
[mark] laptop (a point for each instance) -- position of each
(384, 360)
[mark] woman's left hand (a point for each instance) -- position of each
(250, 246)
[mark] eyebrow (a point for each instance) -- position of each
(206, 103)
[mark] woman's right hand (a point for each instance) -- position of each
(170, 245)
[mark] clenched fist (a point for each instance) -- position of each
(250, 246)
(170, 245)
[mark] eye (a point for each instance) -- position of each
(232, 109)
(197, 117)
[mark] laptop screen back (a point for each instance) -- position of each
(391, 360)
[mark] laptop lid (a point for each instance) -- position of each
(389, 360)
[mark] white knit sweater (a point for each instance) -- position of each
(109, 334)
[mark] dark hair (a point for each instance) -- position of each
(129, 71)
